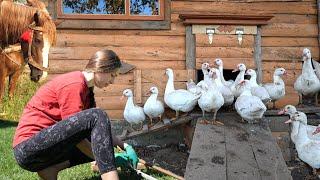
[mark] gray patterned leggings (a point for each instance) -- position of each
(57, 143)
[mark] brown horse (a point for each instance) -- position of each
(17, 20)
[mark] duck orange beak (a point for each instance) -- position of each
(281, 112)
(122, 97)
(289, 121)
(148, 93)
(235, 70)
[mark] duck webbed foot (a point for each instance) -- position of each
(217, 123)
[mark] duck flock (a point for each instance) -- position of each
(248, 98)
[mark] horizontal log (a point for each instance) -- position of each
(294, 19)
(289, 79)
(123, 79)
(228, 63)
(112, 90)
(289, 42)
(125, 53)
(177, 29)
(291, 30)
(272, 65)
(224, 41)
(102, 40)
(240, 8)
(63, 66)
(115, 114)
(286, 53)
(224, 52)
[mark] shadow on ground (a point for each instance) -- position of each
(7, 123)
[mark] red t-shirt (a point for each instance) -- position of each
(61, 97)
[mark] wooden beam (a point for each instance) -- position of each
(202, 18)
(257, 54)
(190, 48)
(318, 6)
(156, 127)
(137, 86)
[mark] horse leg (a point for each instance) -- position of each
(3, 75)
(13, 82)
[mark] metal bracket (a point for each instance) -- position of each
(239, 33)
(210, 32)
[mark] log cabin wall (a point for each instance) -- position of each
(293, 27)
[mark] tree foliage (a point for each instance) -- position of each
(149, 7)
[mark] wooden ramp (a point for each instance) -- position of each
(235, 151)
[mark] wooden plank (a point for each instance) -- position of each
(123, 79)
(258, 55)
(239, 8)
(228, 63)
(286, 53)
(111, 102)
(101, 40)
(223, 41)
(294, 19)
(208, 154)
(127, 53)
(112, 90)
(115, 114)
(137, 86)
(190, 48)
(291, 30)
(289, 42)
(268, 156)
(241, 163)
(63, 66)
(157, 127)
(272, 65)
(160, 76)
(318, 5)
(177, 29)
(224, 52)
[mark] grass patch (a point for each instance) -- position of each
(9, 169)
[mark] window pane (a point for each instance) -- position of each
(93, 6)
(144, 7)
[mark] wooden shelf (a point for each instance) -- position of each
(225, 19)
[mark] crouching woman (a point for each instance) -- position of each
(59, 128)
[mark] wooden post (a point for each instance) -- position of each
(137, 86)
(257, 54)
(318, 5)
(190, 48)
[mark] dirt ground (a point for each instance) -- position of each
(301, 171)
(172, 157)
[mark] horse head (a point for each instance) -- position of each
(35, 48)
(36, 33)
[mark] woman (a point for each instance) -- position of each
(58, 129)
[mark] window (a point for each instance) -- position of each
(112, 9)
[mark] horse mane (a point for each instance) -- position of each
(15, 19)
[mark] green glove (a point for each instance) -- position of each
(132, 155)
(121, 160)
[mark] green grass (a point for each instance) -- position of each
(9, 170)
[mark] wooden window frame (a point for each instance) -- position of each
(99, 22)
(125, 16)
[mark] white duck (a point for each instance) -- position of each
(307, 83)
(192, 87)
(224, 90)
(219, 63)
(211, 99)
(235, 88)
(181, 99)
(276, 89)
(133, 114)
(153, 107)
(291, 110)
(308, 149)
(249, 107)
(205, 67)
(257, 90)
